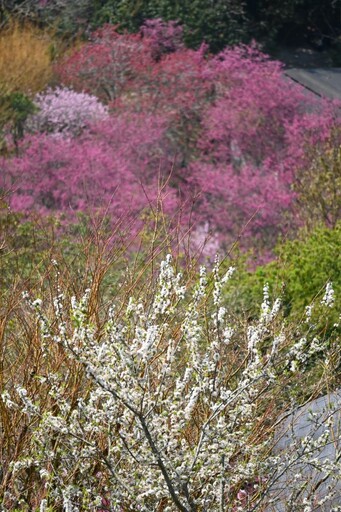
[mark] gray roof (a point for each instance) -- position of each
(323, 82)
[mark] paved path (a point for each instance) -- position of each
(323, 82)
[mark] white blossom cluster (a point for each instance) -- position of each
(328, 298)
(166, 421)
(64, 111)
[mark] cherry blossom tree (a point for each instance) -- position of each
(62, 110)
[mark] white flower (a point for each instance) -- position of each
(43, 506)
(328, 298)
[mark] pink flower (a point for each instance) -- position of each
(242, 496)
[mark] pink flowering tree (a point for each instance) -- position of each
(124, 70)
(111, 62)
(164, 37)
(178, 87)
(114, 167)
(105, 65)
(254, 138)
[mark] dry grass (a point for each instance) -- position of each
(25, 58)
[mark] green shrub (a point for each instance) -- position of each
(318, 184)
(299, 273)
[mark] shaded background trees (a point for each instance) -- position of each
(218, 23)
(296, 21)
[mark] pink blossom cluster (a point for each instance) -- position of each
(254, 137)
(164, 37)
(107, 63)
(102, 169)
(227, 134)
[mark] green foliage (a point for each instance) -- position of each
(30, 245)
(20, 249)
(27, 247)
(15, 108)
(69, 19)
(226, 22)
(21, 105)
(299, 274)
(295, 21)
(66, 18)
(319, 185)
(219, 24)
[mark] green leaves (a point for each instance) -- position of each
(15, 107)
(219, 24)
(319, 184)
(299, 274)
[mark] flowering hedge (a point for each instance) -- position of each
(162, 402)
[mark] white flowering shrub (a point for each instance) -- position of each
(176, 402)
(62, 110)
